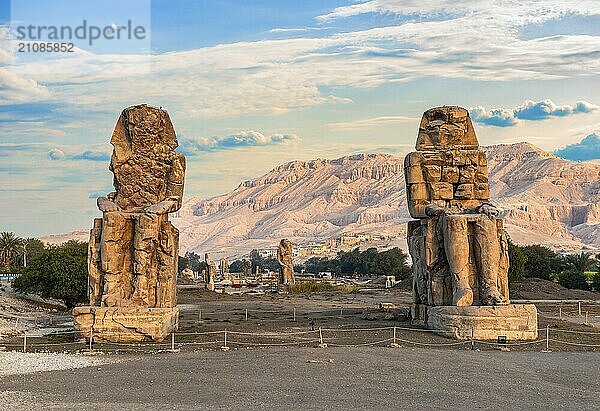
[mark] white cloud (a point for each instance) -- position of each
(56, 154)
(529, 110)
(371, 122)
(242, 139)
(477, 40)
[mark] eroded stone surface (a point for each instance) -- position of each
(133, 248)
(515, 321)
(126, 324)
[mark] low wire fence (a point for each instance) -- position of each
(549, 339)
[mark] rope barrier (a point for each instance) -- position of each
(273, 344)
(577, 344)
(433, 344)
(360, 345)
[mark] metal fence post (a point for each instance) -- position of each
(341, 313)
(547, 337)
(172, 341)
(586, 318)
(560, 312)
(246, 314)
(25, 342)
(294, 313)
(472, 338)
(579, 307)
(91, 337)
(321, 343)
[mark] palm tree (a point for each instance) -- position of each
(10, 247)
(580, 262)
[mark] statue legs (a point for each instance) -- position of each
(487, 252)
(145, 241)
(456, 245)
(112, 259)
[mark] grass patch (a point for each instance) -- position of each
(312, 286)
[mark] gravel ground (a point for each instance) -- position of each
(302, 378)
(13, 363)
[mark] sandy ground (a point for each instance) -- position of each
(308, 378)
(344, 320)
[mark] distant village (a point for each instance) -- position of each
(326, 248)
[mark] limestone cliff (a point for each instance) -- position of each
(546, 200)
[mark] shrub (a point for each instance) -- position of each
(58, 272)
(517, 260)
(573, 279)
(596, 281)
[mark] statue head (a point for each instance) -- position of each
(446, 127)
(142, 129)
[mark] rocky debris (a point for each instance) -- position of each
(133, 248)
(386, 314)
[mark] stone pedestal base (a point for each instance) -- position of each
(126, 324)
(518, 322)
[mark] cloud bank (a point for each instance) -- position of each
(250, 138)
(529, 110)
(586, 149)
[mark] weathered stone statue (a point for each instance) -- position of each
(458, 246)
(224, 269)
(211, 273)
(284, 257)
(133, 248)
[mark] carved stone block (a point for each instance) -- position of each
(450, 174)
(433, 174)
(441, 191)
(414, 174)
(464, 191)
(481, 191)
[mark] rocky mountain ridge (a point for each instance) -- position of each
(545, 199)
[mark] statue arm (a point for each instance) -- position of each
(489, 210)
(433, 210)
(106, 204)
(175, 180)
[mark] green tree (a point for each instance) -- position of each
(391, 262)
(573, 279)
(350, 262)
(32, 248)
(58, 272)
(580, 262)
(517, 259)
(11, 247)
(240, 266)
(541, 262)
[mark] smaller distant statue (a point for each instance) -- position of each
(211, 273)
(284, 257)
(224, 269)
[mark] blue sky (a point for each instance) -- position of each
(250, 85)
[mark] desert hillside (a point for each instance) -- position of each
(545, 199)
